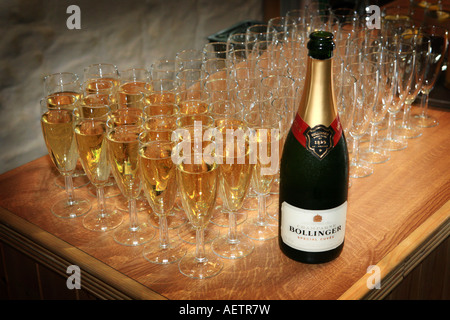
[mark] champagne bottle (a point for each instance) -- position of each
(314, 166)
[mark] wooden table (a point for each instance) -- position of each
(396, 217)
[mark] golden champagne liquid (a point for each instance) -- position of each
(235, 170)
(198, 186)
(160, 97)
(67, 99)
(261, 180)
(57, 128)
(103, 85)
(193, 107)
(158, 176)
(160, 128)
(123, 153)
(92, 150)
(130, 94)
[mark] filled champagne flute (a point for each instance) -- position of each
(161, 127)
(234, 181)
(197, 177)
(57, 128)
(264, 140)
(61, 88)
(123, 149)
(158, 175)
(90, 135)
(224, 111)
(195, 127)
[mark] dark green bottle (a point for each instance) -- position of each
(314, 166)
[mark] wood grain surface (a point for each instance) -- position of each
(384, 210)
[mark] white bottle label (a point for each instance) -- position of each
(313, 230)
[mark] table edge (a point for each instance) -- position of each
(400, 261)
(99, 278)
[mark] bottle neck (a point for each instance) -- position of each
(317, 106)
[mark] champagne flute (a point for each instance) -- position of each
(61, 87)
(195, 127)
(197, 177)
(158, 175)
(57, 128)
(366, 74)
(234, 182)
(422, 45)
(224, 111)
(264, 139)
(123, 149)
(90, 131)
(404, 61)
(161, 127)
(375, 154)
(439, 44)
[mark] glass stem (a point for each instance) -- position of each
(355, 159)
(406, 116)
(424, 105)
(101, 201)
(261, 210)
(200, 245)
(163, 232)
(133, 214)
(232, 228)
(68, 182)
(373, 137)
(391, 125)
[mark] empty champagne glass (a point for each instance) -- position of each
(422, 44)
(386, 87)
(57, 128)
(234, 181)
(123, 150)
(90, 133)
(197, 177)
(403, 53)
(264, 140)
(366, 75)
(158, 175)
(163, 68)
(438, 47)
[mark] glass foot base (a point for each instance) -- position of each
(394, 144)
(360, 170)
(232, 249)
(375, 157)
(424, 121)
(195, 268)
(127, 236)
(155, 253)
(260, 231)
(69, 210)
(103, 222)
(409, 132)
